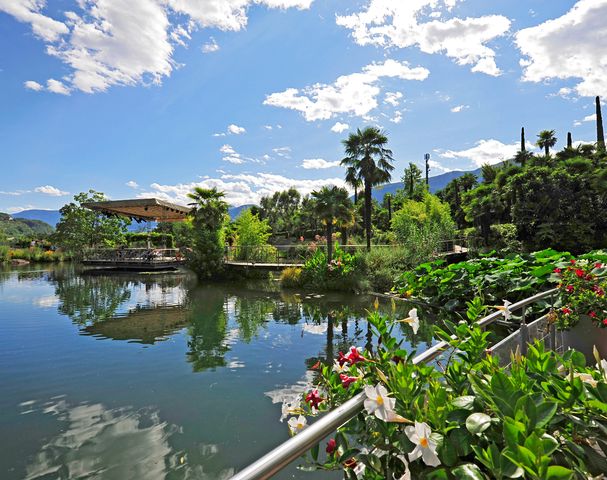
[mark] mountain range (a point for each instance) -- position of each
(437, 183)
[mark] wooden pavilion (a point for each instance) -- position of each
(140, 259)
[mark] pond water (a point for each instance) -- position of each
(155, 376)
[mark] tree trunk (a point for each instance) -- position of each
(368, 198)
(355, 194)
(569, 140)
(344, 236)
(600, 134)
(523, 139)
(547, 149)
(329, 242)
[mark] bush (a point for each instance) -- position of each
(504, 238)
(344, 273)
(384, 265)
(291, 277)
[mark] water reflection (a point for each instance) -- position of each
(122, 443)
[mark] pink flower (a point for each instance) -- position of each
(557, 271)
(346, 380)
(592, 314)
(569, 288)
(598, 265)
(566, 310)
(314, 398)
(331, 446)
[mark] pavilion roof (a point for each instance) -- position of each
(148, 209)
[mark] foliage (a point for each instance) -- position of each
(429, 218)
(582, 287)
(81, 228)
(504, 238)
(22, 228)
(291, 277)
(513, 277)
(280, 210)
(413, 185)
(209, 213)
(383, 265)
(542, 418)
(453, 193)
(32, 254)
(157, 239)
(367, 154)
(333, 208)
(251, 233)
(343, 273)
(546, 139)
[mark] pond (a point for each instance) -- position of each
(131, 376)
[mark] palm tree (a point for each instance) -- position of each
(546, 140)
(367, 154)
(209, 208)
(333, 207)
(354, 181)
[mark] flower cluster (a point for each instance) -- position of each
(582, 286)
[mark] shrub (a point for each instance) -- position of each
(384, 265)
(291, 277)
(504, 238)
(344, 273)
(252, 236)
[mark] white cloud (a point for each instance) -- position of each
(18, 209)
(284, 152)
(239, 189)
(268, 127)
(56, 86)
(113, 42)
(485, 151)
(340, 127)
(573, 46)
(50, 190)
(397, 118)
(393, 98)
(29, 11)
(397, 24)
(235, 129)
(31, 85)
(230, 155)
(318, 164)
(354, 94)
(15, 193)
(132, 184)
(210, 47)
(437, 166)
(459, 108)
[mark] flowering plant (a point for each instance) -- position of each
(543, 418)
(582, 286)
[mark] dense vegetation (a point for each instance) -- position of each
(14, 229)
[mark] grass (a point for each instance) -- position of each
(34, 254)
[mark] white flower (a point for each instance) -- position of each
(506, 310)
(378, 402)
(424, 446)
(586, 378)
(359, 470)
(413, 320)
(604, 368)
(296, 425)
(337, 368)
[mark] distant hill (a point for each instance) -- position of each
(436, 183)
(234, 212)
(23, 227)
(51, 217)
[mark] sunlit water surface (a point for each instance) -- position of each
(154, 376)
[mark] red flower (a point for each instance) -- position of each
(341, 359)
(350, 463)
(316, 366)
(566, 311)
(569, 288)
(598, 290)
(314, 398)
(354, 356)
(605, 322)
(557, 271)
(331, 446)
(572, 261)
(592, 314)
(346, 380)
(598, 265)
(579, 272)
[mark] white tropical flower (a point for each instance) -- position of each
(424, 446)
(340, 368)
(506, 312)
(604, 368)
(413, 320)
(297, 424)
(378, 403)
(586, 378)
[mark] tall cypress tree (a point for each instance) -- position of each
(523, 139)
(569, 140)
(600, 134)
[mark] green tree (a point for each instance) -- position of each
(452, 194)
(81, 228)
(366, 152)
(354, 181)
(250, 232)
(546, 139)
(281, 211)
(333, 207)
(209, 217)
(412, 182)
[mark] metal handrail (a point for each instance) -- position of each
(277, 459)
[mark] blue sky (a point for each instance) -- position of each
(152, 97)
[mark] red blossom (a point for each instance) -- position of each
(569, 288)
(331, 446)
(346, 380)
(605, 322)
(598, 265)
(341, 359)
(572, 261)
(350, 463)
(557, 271)
(579, 272)
(314, 398)
(354, 356)
(592, 314)
(316, 366)
(566, 311)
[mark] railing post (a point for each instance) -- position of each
(524, 332)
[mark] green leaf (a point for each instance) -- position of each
(465, 402)
(468, 471)
(556, 472)
(477, 423)
(437, 474)
(545, 411)
(314, 452)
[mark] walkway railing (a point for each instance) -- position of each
(132, 255)
(295, 447)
